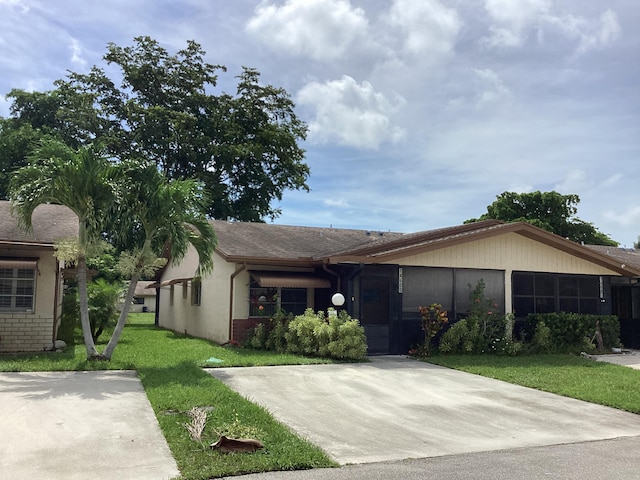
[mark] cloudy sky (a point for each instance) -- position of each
(420, 112)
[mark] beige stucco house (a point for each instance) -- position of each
(31, 277)
(384, 277)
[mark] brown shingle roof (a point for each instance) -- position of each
(625, 256)
(284, 242)
(50, 224)
(279, 244)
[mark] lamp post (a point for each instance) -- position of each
(337, 300)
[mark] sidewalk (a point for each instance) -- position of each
(79, 425)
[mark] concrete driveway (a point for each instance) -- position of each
(395, 408)
(79, 425)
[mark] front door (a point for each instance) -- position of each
(375, 313)
(622, 307)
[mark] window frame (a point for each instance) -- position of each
(14, 282)
(273, 300)
(558, 293)
(196, 292)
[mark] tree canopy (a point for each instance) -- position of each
(551, 211)
(163, 108)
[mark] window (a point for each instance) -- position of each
(138, 300)
(265, 301)
(548, 293)
(17, 289)
(196, 292)
(184, 289)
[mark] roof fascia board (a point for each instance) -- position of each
(528, 231)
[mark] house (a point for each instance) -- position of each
(144, 299)
(625, 294)
(384, 277)
(31, 277)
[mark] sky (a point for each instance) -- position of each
(420, 112)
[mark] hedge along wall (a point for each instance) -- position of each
(568, 330)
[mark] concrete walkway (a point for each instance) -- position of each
(629, 358)
(79, 425)
(396, 408)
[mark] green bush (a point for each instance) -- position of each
(258, 337)
(70, 318)
(276, 340)
(485, 330)
(103, 297)
(460, 338)
(574, 332)
(326, 335)
(301, 336)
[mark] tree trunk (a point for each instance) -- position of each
(81, 277)
(122, 320)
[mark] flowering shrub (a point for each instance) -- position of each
(433, 318)
(484, 330)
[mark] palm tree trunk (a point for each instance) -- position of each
(81, 277)
(122, 320)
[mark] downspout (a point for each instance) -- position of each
(156, 317)
(326, 269)
(56, 293)
(351, 295)
(238, 271)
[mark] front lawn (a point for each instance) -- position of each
(568, 375)
(169, 366)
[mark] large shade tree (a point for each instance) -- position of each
(551, 211)
(152, 105)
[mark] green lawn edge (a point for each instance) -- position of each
(169, 366)
(564, 374)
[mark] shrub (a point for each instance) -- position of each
(484, 330)
(258, 337)
(326, 335)
(301, 337)
(70, 318)
(276, 339)
(103, 297)
(462, 337)
(573, 332)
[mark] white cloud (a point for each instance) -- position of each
(575, 181)
(427, 27)
(320, 29)
(514, 22)
(18, 3)
(493, 88)
(76, 53)
(629, 217)
(352, 114)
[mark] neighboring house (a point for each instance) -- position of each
(144, 299)
(384, 277)
(625, 294)
(31, 277)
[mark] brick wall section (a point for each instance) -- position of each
(24, 332)
(242, 327)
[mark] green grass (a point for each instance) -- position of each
(569, 375)
(169, 366)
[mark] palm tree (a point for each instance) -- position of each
(80, 180)
(155, 215)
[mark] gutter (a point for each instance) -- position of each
(238, 271)
(331, 272)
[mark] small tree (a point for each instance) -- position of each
(433, 319)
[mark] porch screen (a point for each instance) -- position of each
(426, 285)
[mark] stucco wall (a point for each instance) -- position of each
(211, 318)
(32, 331)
